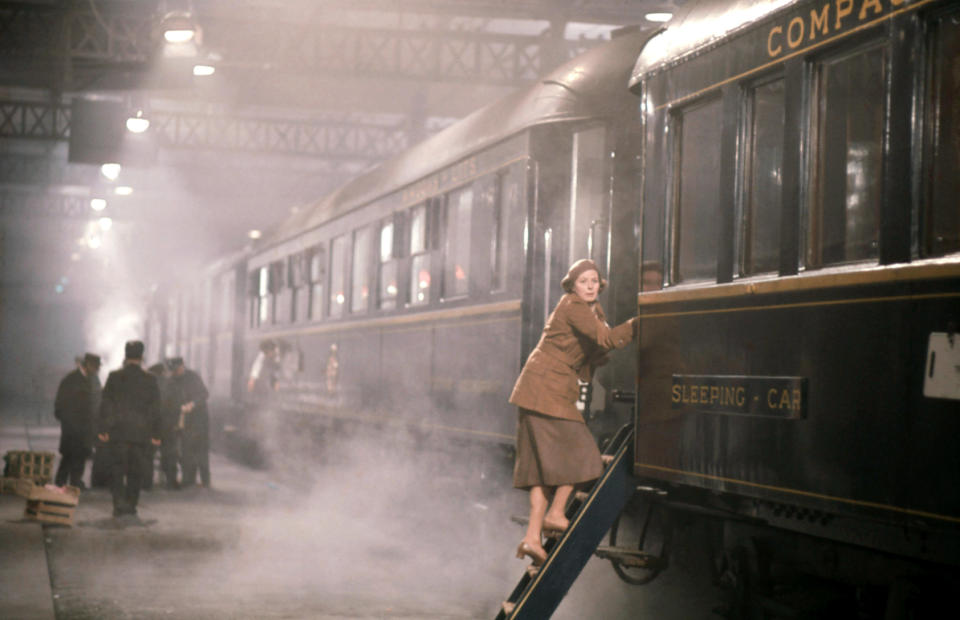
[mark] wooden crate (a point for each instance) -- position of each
(52, 505)
(36, 466)
(16, 486)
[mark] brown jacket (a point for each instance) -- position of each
(574, 342)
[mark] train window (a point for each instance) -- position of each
(279, 292)
(338, 280)
(846, 132)
(762, 177)
(360, 283)
(419, 258)
(942, 217)
(318, 276)
(696, 187)
(226, 301)
(253, 297)
(456, 251)
(387, 273)
(297, 278)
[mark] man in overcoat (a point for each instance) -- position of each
(74, 408)
(129, 422)
(191, 395)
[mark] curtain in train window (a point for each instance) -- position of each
(387, 286)
(847, 157)
(696, 190)
(360, 283)
(419, 258)
(942, 213)
(263, 293)
(338, 280)
(762, 183)
(318, 276)
(456, 254)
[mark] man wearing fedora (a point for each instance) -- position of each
(129, 422)
(74, 408)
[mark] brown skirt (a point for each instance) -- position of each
(553, 451)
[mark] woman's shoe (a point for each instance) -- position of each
(539, 556)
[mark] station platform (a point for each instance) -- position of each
(348, 531)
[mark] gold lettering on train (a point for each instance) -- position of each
(844, 8)
(794, 31)
(877, 9)
(794, 41)
(819, 22)
(774, 51)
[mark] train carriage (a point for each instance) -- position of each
(801, 276)
(411, 296)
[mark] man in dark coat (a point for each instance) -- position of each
(129, 422)
(74, 408)
(188, 390)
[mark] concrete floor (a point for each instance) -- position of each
(362, 532)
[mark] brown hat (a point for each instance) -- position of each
(91, 359)
(584, 264)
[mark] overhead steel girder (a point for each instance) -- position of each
(27, 204)
(81, 46)
(438, 56)
(325, 139)
(330, 139)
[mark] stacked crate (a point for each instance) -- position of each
(30, 465)
(27, 474)
(51, 504)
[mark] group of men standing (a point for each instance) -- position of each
(137, 412)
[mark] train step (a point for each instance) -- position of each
(632, 558)
(540, 589)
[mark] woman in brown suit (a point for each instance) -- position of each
(555, 450)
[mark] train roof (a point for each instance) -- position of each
(591, 85)
(700, 24)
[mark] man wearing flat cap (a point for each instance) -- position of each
(129, 422)
(74, 408)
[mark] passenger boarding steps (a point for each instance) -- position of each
(541, 589)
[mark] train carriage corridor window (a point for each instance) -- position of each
(762, 183)
(338, 280)
(847, 167)
(360, 274)
(318, 277)
(696, 191)
(387, 275)
(419, 257)
(279, 293)
(942, 215)
(456, 254)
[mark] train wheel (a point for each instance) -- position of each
(653, 533)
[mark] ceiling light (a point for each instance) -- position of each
(110, 170)
(98, 204)
(658, 17)
(254, 234)
(203, 70)
(94, 242)
(123, 190)
(178, 27)
(105, 223)
(137, 123)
